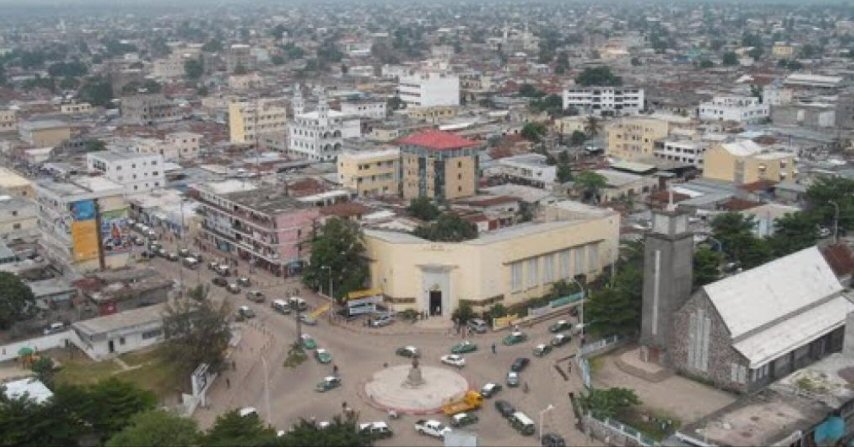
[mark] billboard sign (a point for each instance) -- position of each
(83, 210)
(84, 238)
(115, 232)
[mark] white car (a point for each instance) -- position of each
(248, 411)
(432, 428)
(454, 360)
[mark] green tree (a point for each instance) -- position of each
(94, 145)
(395, 103)
(590, 184)
(194, 69)
(561, 63)
(529, 91)
(212, 46)
(71, 69)
(592, 126)
(705, 63)
(755, 53)
(240, 70)
(563, 173)
(423, 208)
(233, 430)
(277, 59)
(97, 91)
(110, 404)
(793, 232)
(196, 330)
(533, 131)
(45, 370)
(608, 402)
(448, 228)
(730, 59)
(707, 264)
(17, 301)
(598, 76)
(341, 432)
(463, 313)
(636, 62)
(157, 427)
(551, 104)
(26, 423)
(827, 190)
(337, 249)
(577, 138)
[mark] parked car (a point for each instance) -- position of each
(255, 296)
(432, 428)
(244, 281)
(219, 281)
(233, 288)
(172, 257)
(327, 384)
(322, 356)
(454, 360)
(490, 389)
(515, 337)
(54, 328)
(553, 440)
(308, 320)
(477, 325)
(463, 419)
(512, 379)
(560, 340)
(522, 423)
(184, 252)
(504, 408)
(560, 325)
(376, 430)
(463, 347)
(542, 349)
(519, 364)
(245, 312)
(408, 351)
(308, 342)
(382, 320)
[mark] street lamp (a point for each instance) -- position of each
(835, 221)
(266, 389)
(543, 413)
(581, 314)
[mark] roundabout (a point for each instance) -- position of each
(414, 389)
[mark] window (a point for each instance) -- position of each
(593, 258)
(151, 334)
(579, 261)
(699, 326)
(121, 340)
(516, 276)
(533, 272)
(16, 226)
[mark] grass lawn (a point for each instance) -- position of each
(149, 369)
(650, 422)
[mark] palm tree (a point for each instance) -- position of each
(592, 126)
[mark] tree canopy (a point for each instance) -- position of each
(730, 59)
(96, 91)
(707, 264)
(16, 300)
(608, 402)
(533, 131)
(194, 68)
(827, 190)
(337, 249)
(598, 76)
(341, 432)
(448, 228)
(232, 429)
(423, 208)
(590, 183)
(197, 330)
(157, 427)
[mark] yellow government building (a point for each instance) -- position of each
(506, 266)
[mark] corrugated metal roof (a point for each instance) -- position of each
(795, 332)
(759, 296)
(437, 140)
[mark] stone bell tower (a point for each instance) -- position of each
(667, 280)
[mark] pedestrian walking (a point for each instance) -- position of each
(233, 365)
(493, 348)
(227, 383)
(335, 369)
(569, 366)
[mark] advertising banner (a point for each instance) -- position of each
(115, 232)
(84, 237)
(83, 210)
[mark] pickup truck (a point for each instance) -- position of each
(431, 427)
(472, 400)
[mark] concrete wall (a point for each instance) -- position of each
(58, 340)
(292, 228)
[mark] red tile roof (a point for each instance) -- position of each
(437, 140)
(840, 259)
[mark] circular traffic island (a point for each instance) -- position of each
(415, 389)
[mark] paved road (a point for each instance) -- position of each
(359, 352)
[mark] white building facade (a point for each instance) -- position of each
(135, 172)
(429, 88)
(319, 135)
(365, 109)
(682, 150)
(530, 169)
(186, 144)
(612, 101)
(741, 109)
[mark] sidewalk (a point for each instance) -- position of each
(247, 361)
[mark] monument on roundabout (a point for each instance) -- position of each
(414, 389)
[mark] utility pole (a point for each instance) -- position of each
(266, 389)
(835, 221)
